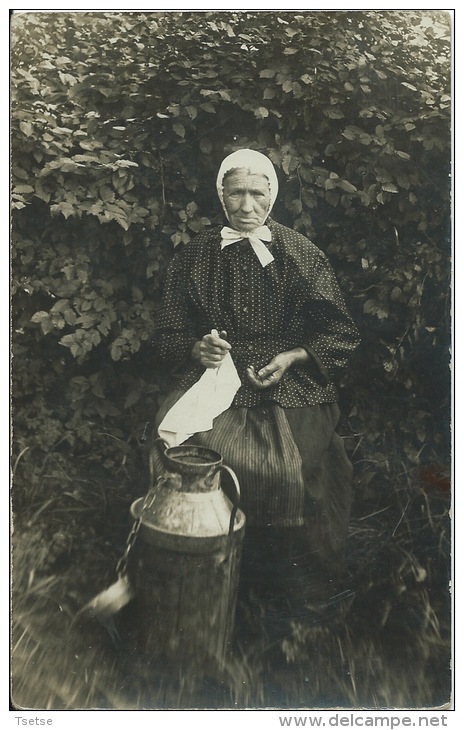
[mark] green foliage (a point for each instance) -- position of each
(119, 123)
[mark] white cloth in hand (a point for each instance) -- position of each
(199, 406)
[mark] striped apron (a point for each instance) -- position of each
(291, 465)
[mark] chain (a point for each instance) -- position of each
(121, 566)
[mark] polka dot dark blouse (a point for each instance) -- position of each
(293, 302)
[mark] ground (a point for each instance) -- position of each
(381, 640)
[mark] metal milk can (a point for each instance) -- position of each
(185, 564)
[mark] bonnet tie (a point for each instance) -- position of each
(256, 238)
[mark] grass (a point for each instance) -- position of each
(384, 641)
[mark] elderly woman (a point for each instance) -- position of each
(266, 295)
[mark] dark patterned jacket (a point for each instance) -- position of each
(293, 302)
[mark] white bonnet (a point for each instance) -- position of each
(256, 163)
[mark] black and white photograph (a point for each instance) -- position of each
(231, 371)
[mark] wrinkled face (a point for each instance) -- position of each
(246, 199)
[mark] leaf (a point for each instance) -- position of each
(267, 73)
(38, 317)
(137, 294)
(26, 128)
(351, 132)
(19, 172)
(67, 79)
(261, 112)
(132, 398)
(45, 321)
(192, 111)
(333, 113)
(23, 189)
(390, 188)
(347, 186)
(152, 268)
(403, 181)
(64, 208)
(408, 86)
(70, 316)
(86, 320)
(330, 184)
(295, 206)
(332, 197)
(208, 107)
(123, 164)
(91, 145)
(206, 145)
(229, 30)
(60, 306)
(179, 129)
(370, 306)
(106, 194)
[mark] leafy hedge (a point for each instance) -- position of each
(119, 123)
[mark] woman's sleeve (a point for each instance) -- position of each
(174, 334)
(331, 335)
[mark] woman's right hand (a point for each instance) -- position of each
(211, 350)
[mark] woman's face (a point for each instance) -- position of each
(247, 199)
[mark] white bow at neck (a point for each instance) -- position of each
(256, 238)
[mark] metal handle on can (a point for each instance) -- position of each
(236, 502)
(160, 444)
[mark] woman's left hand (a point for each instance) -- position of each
(271, 374)
(273, 371)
